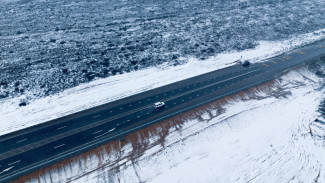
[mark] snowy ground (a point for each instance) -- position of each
(13, 117)
(48, 46)
(267, 137)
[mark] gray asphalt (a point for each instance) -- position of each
(30, 149)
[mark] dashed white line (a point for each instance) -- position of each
(61, 127)
(110, 111)
(7, 169)
(13, 163)
(21, 140)
(97, 116)
(98, 131)
(130, 105)
(105, 133)
(121, 108)
(128, 120)
(59, 146)
(138, 116)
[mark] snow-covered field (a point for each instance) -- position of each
(84, 96)
(48, 46)
(67, 56)
(270, 136)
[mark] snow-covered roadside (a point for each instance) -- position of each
(267, 140)
(101, 91)
(271, 137)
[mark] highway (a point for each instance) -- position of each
(30, 149)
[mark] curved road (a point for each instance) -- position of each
(27, 150)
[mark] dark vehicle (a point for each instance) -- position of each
(246, 63)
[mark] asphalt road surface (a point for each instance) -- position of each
(30, 149)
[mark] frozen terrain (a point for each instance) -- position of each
(267, 135)
(67, 56)
(48, 46)
(100, 91)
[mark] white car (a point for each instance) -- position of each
(159, 105)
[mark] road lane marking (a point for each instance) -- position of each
(21, 140)
(265, 65)
(273, 62)
(121, 108)
(13, 163)
(110, 111)
(287, 57)
(104, 133)
(61, 127)
(7, 169)
(97, 116)
(128, 120)
(111, 130)
(130, 105)
(99, 136)
(59, 146)
(138, 116)
(98, 131)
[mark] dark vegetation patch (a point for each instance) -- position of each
(96, 39)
